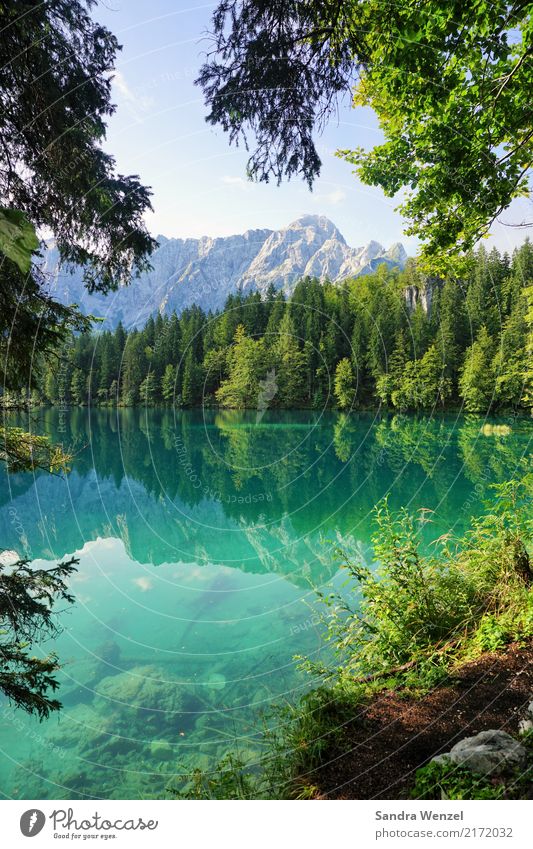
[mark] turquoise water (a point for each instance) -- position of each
(201, 536)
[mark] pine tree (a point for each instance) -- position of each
(508, 362)
(528, 358)
(134, 368)
(247, 366)
(214, 369)
(477, 382)
(148, 390)
(168, 383)
(191, 385)
(303, 341)
(78, 390)
(50, 386)
(390, 381)
(105, 359)
(290, 365)
(344, 384)
(435, 386)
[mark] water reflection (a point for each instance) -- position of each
(217, 487)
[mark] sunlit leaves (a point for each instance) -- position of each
(23, 451)
(449, 80)
(18, 239)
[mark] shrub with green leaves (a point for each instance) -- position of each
(419, 612)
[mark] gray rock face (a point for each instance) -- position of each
(422, 295)
(205, 271)
(489, 753)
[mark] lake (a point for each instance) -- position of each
(202, 536)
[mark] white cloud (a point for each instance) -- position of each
(120, 82)
(238, 182)
(136, 101)
(144, 584)
(332, 198)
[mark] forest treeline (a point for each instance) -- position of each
(393, 337)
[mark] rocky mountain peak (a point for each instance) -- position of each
(205, 271)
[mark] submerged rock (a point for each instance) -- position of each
(144, 690)
(82, 727)
(162, 750)
(78, 695)
(489, 753)
(216, 681)
(109, 653)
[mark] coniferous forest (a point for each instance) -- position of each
(403, 339)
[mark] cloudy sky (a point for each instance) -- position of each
(199, 185)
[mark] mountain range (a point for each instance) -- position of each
(205, 271)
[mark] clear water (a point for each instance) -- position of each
(201, 536)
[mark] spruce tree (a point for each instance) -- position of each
(344, 384)
(477, 380)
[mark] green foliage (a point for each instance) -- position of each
(27, 597)
(168, 383)
(449, 81)
(78, 387)
(18, 240)
(344, 384)
(148, 390)
(422, 384)
(405, 623)
(290, 367)
(50, 157)
(191, 385)
(477, 381)
(22, 451)
(508, 363)
(246, 364)
(134, 367)
(412, 614)
(295, 738)
(300, 736)
(446, 780)
(228, 781)
(55, 178)
(53, 156)
(528, 360)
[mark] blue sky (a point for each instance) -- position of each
(199, 186)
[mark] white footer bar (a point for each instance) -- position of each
(267, 825)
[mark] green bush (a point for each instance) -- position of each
(446, 780)
(415, 614)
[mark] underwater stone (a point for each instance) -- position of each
(216, 681)
(162, 750)
(143, 689)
